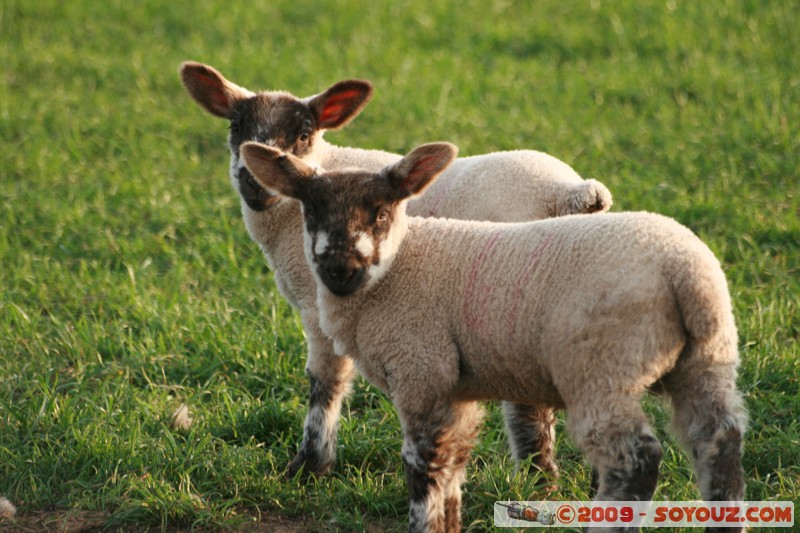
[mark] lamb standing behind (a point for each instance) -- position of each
(525, 185)
(584, 313)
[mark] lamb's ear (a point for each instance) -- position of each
(412, 174)
(340, 103)
(277, 171)
(210, 89)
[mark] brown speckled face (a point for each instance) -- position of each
(275, 119)
(348, 220)
(354, 221)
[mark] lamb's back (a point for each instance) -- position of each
(532, 300)
(510, 186)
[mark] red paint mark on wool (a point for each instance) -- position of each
(519, 284)
(474, 306)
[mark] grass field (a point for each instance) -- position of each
(128, 285)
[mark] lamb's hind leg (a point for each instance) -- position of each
(330, 377)
(531, 433)
(710, 422)
(620, 446)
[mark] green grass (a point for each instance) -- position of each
(129, 287)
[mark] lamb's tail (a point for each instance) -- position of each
(705, 306)
(709, 415)
(589, 196)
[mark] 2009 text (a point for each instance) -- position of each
(643, 514)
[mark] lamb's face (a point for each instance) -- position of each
(354, 221)
(276, 119)
(352, 229)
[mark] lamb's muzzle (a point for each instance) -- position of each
(342, 277)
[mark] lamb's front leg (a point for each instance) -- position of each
(436, 449)
(330, 377)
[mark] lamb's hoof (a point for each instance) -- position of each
(303, 467)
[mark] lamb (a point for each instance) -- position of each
(525, 185)
(582, 313)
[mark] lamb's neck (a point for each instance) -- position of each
(332, 157)
(338, 319)
(270, 227)
(278, 232)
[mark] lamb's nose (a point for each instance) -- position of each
(341, 272)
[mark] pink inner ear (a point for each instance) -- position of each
(417, 178)
(213, 90)
(337, 105)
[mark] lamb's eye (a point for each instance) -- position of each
(383, 215)
(305, 136)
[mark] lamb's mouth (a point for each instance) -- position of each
(254, 195)
(342, 281)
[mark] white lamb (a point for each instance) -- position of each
(584, 313)
(524, 185)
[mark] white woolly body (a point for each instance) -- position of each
(510, 186)
(526, 185)
(547, 312)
